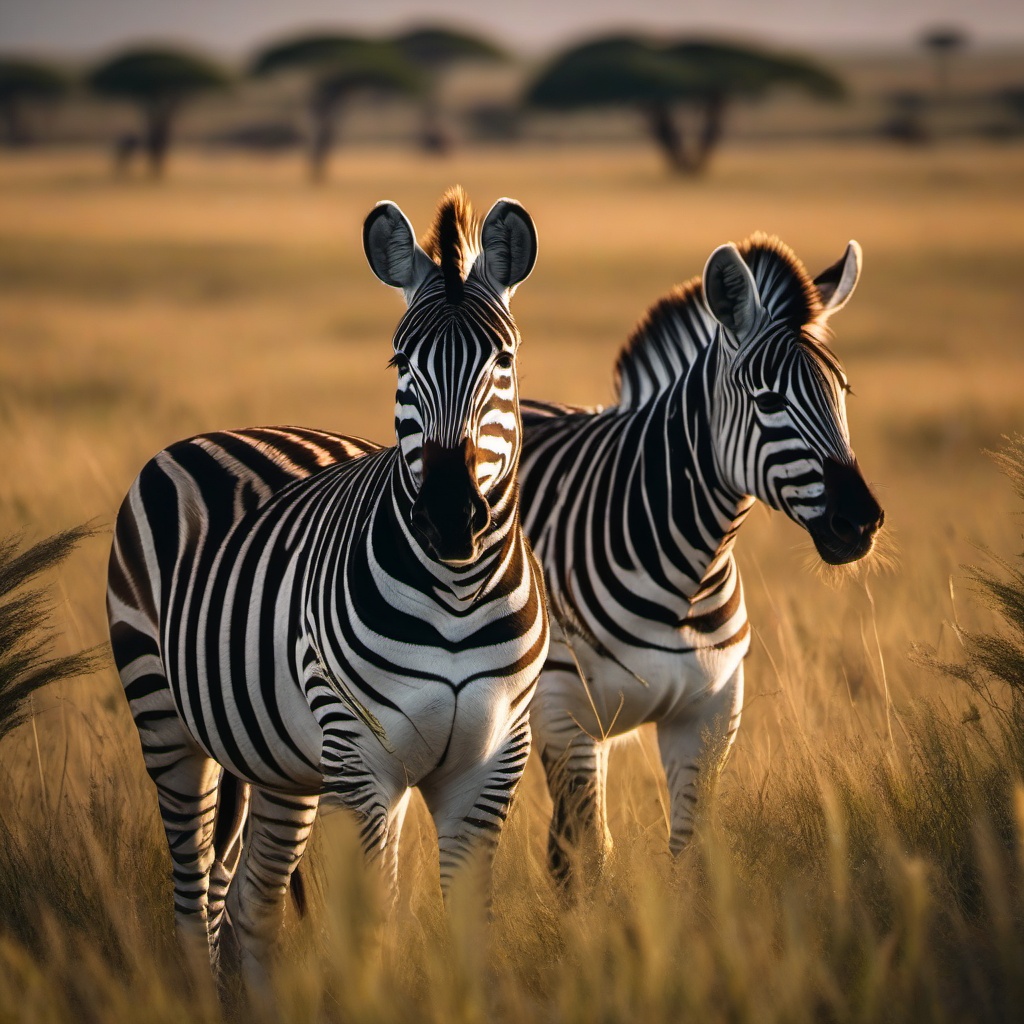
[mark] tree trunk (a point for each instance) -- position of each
(14, 119)
(710, 134)
(323, 114)
(669, 137)
(666, 131)
(159, 121)
(433, 136)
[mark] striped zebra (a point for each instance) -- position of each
(299, 616)
(727, 392)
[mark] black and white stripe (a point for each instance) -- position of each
(727, 393)
(298, 615)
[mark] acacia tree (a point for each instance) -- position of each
(661, 80)
(22, 84)
(338, 68)
(159, 83)
(942, 42)
(435, 51)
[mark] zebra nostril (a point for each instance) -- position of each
(844, 529)
(422, 524)
(479, 516)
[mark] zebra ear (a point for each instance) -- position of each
(392, 251)
(509, 247)
(835, 284)
(731, 293)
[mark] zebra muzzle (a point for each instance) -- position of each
(450, 514)
(846, 531)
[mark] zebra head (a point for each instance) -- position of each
(457, 403)
(780, 426)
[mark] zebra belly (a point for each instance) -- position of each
(604, 699)
(276, 745)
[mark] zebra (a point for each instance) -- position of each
(299, 616)
(727, 392)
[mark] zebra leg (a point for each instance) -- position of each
(579, 840)
(469, 808)
(187, 793)
(232, 811)
(685, 741)
(569, 720)
(276, 835)
(387, 849)
(184, 775)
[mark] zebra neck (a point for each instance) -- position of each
(680, 489)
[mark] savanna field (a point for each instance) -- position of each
(862, 858)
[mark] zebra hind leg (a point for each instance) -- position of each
(228, 837)
(684, 746)
(579, 841)
(274, 841)
(185, 777)
(187, 794)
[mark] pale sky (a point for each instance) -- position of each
(231, 27)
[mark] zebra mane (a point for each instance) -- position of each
(671, 334)
(454, 241)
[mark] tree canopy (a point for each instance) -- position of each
(380, 64)
(746, 71)
(30, 79)
(22, 82)
(944, 38)
(625, 70)
(614, 71)
(157, 74)
(435, 48)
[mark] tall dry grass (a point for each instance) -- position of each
(861, 857)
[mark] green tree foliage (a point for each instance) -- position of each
(159, 82)
(658, 78)
(435, 51)
(22, 83)
(25, 635)
(338, 68)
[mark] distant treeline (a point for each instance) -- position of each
(682, 88)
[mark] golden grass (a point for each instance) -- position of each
(134, 314)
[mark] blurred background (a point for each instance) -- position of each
(264, 78)
(182, 188)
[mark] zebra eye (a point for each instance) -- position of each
(770, 402)
(399, 362)
(504, 361)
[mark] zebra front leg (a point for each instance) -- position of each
(386, 851)
(278, 830)
(469, 808)
(368, 786)
(579, 841)
(685, 741)
(571, 720)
